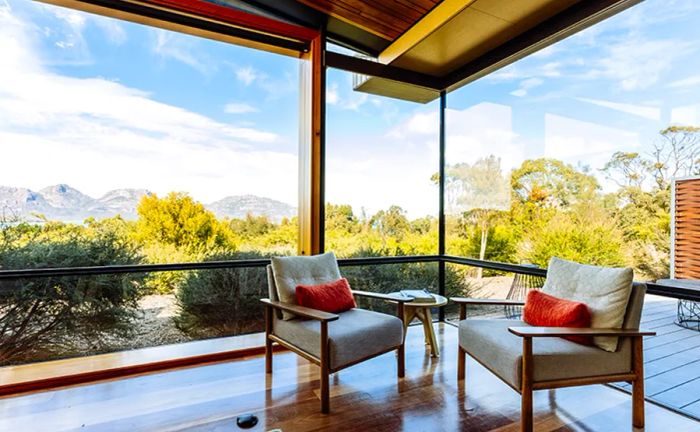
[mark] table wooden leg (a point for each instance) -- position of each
(427, 319)
(420, 314)
(408, 315)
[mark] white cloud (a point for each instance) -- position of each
(112, 29)
(99, 135)
(182, 48)
(401, 167)
(527, 85)
(421, 123)
(246, 75)
(636, 63)
(332, 97)
(691, 81)
(580, 142)
(239, 108)
(648, 112)
(688, 115)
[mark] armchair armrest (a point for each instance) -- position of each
(301, 310)
(573, 331)
(389, 297)
(487, 302)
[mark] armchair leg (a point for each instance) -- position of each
(461, 363)
(401, 361)
(526, 418)
(325, 369)
(401, 352)
(638, 383)
(268, 341)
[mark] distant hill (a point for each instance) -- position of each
(65, 203)
(241, 205)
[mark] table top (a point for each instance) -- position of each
(439, 301)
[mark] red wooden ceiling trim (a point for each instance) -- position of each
(238, 18)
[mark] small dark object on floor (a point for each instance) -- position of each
(246, 421)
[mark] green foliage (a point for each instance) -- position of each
(60, 314)
(587, 236)
(222, 302)
(251, 227)
(167, 282)
(552, 183)
(179, 221)
(391, 223)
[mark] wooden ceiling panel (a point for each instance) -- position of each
(387, 18)
(481, 27)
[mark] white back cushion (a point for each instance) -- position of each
(605, 290)
(302, 270)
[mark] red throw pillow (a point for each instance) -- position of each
(330, 297)
(548, 311)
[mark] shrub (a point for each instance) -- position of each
(57, 315)
(589, 238)
(222, 302)
(167, 282)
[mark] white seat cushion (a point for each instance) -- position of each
(357, 334)
(302, 270)
(605, 290)
(490, 343)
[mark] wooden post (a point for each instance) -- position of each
(401, 352)
(638, 383)
(526, 419)
(325, 368)
(312, 148)
(268, 341)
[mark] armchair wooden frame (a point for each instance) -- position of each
(635, 376)
(323, 361)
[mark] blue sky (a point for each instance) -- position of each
(103, 104)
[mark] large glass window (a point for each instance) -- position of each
(570, 151)
(125, 144)
(381, 166)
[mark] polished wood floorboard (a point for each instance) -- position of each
(365, 397)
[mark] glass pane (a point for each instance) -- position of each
(382, 155)
(490, 284)
(570, 151)
(58, 317)
(180, 146)
(127, 144)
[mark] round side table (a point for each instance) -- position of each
(422, 311)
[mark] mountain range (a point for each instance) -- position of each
(65, 203)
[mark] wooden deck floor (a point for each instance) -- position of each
(671, 358)
(366, 397)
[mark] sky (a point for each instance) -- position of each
(102, 104)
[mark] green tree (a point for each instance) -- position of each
(179, 221)
(391, 222)
(676, 154)
(628, 169)
(552, 183)
(251, 227)
(340, 217)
